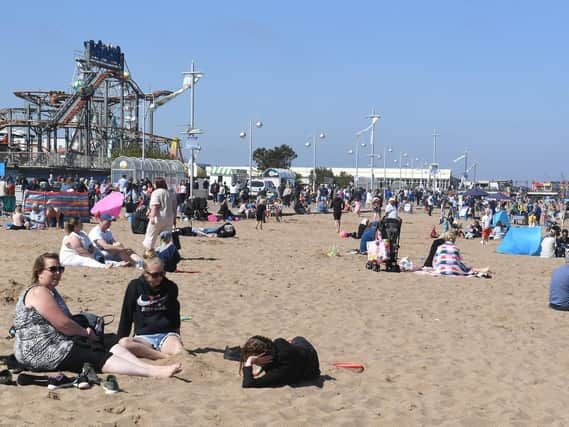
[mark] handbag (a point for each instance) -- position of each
(93, 321)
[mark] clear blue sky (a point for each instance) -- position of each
(491, 76)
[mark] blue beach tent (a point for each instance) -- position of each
(521, 241)
(503, 217)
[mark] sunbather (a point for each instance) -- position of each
(266, 363)
(102, 237)
(48, 339)
(448, 261)
(151, 303)
(79, 251)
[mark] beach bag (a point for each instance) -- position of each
(377, 250)
(139, 222)
(93, 321)
(186, 231)
(226, 230)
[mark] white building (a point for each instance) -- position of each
(392, 177)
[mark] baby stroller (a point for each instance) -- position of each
(385, 249)
(196, 208)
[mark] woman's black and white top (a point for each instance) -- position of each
(37, 343)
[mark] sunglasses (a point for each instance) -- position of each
(56, 269)
(155, 275)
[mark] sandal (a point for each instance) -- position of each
(6, 377)
(27, 379)
(111, 385)
(232, 353)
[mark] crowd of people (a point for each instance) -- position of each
(48, 338)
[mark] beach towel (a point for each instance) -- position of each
(449, 262)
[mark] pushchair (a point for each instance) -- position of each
(385, 249)
(196, 208)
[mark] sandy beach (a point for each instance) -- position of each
(437, 351)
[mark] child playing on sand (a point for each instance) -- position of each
(486, 226)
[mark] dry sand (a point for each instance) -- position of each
(437, 351)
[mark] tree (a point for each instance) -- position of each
(323, 176)
(278, 157)
(343, 180)
(135, 150)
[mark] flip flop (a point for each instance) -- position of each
(232, 353)
(27, 379)
(111, 385)
(6, 377)
(356, 366)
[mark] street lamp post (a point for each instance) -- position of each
(143, 157)
(401, 155)
(190, 79)
(386, 150)
(242, 135)
(374, 118)
(416, 159)
(434, 164)
(358, 144)
(322, 136)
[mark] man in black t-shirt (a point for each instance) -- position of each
(151, 303)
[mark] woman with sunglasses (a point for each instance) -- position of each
(151, 303)
(48, 339)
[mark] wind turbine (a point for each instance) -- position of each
(465, 158)
(473, 166)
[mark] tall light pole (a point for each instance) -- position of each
(322, 136)
(258, 125)
(143, 157)
(386, 150)
(434, 165)
(191, 78)
(423, 168)
(466, 170)
(413, 160)
(358, 144)
(374, 118)
(401, 156)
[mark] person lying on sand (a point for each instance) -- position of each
(151, 303)
(266, 363)
(48, 339)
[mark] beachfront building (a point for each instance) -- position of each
(394, 178)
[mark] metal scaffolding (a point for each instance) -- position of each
(80, 128)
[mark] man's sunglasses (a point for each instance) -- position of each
(56, 269)
(155, 275)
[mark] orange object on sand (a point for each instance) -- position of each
(348, 365)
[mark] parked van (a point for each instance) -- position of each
(258, 186)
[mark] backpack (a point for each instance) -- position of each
(139, 222)
(226, 230)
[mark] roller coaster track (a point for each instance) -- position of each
(75, 103)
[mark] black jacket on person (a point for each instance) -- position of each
(153, 310)
(436, 243)
(291, 364)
